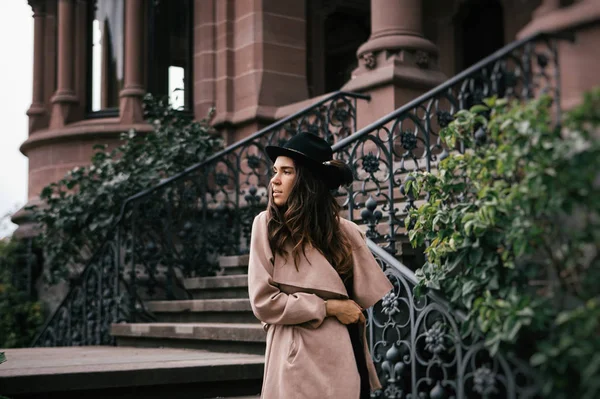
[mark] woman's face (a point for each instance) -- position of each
(284, 175)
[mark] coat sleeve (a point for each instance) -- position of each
(269, 304)
(370, 282)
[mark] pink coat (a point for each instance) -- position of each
(309, 355)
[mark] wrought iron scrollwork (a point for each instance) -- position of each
(420, 352)
(93, 304)
(384, 154)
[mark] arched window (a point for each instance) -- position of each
(169, 69)
(106, 58)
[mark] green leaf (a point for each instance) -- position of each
(477, 109)
(538, 359)
(2, 357)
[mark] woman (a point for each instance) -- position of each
(310, 277)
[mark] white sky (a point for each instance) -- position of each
(16, 66)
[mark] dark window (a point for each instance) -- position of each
(106, 35)
(480, 31)
(334, 32)
(170, 52)
(345, 31)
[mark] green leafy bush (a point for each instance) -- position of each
(514, 240)
(20, 316)
(81, 208)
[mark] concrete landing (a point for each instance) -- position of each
(122, 372)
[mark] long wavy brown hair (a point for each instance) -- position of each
(310, 217)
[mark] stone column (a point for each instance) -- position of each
(133, 90)
(64, 99)
(204, 57)
(397, 63)
(396, 25)
(37, 110)
(81, 50)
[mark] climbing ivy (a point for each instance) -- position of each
(20, 315)
(80, 209)
(512, 226)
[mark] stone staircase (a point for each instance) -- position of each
(218, 319)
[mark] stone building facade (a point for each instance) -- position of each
(256, 61)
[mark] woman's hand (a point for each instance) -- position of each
(345, 310)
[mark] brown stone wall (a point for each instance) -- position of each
(260, 61)
(582, 56)
(517, 14)
(53, 153)
(579, 58)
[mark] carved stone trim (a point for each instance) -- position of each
(422, 58)
(369, 60)
(38, 7)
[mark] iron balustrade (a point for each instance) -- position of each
(180, 227)
(420, 351)
(407, 140)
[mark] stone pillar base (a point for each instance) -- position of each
(131, 107)
(397, 63)
(63, 108)
(392, 79)
(38, 117)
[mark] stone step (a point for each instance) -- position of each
(217, 337)
(233, 265)
(218, 287)
(99, 372)
(228, 310)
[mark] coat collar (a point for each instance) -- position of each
(314, 273)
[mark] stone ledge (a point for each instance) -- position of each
(87, 129)
(578, 14)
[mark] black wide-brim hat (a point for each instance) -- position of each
(315, 153)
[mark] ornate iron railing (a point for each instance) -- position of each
(420, 351)
(84, 316)
(180, 227)
(385, 152)
(417, 343)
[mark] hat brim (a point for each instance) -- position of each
(316, 167)
(274, 151)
